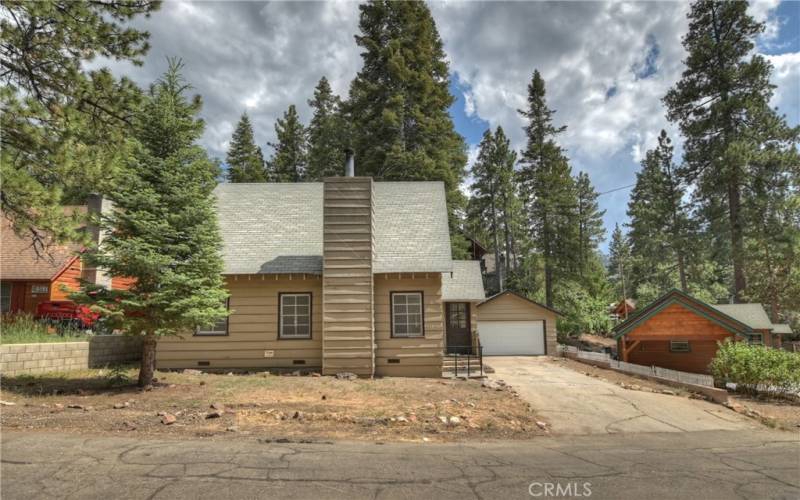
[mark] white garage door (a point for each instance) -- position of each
(511, 337)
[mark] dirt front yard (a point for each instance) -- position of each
(268, 406)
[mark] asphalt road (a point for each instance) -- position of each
(576, 404)
(706, 465)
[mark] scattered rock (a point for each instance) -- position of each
(7, 403)
(541, 425)
(218, 406)
(214, 414)
(297, 415)
(402, 419)
(168, 419)
(442, 419)
(454, 421)
(232, 428)
(230, 374)
(147, 388)
(636, 387)
(75, 406)
(425, 440)
(667, 391)
(171, 386)
(191, 371)
(346, 376)
(471, 405)
(316, 374)
(88, 408)
(119, 406)
(129, 425)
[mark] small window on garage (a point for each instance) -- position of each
(679, 346)
(756, 339)
(407, 318)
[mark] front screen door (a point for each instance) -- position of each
(459, 338)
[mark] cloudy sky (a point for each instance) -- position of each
(606, 65)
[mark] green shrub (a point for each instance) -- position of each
(749, 366)
(24, 329)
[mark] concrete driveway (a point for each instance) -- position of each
(574, 403)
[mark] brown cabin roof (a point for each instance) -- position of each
(19, 261)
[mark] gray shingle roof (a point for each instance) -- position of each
(781, 328)
(752, 315)
(273, 228)
(464, 283)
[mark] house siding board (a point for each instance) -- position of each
(67, 282)
(252, 330)
(347, 249)
(509, 307)
(418, 356)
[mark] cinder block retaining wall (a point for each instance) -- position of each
(22, 359)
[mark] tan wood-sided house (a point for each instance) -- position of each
(345, 275)
(680, 332)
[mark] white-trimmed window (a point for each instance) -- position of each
(407, 317)
(294, 320)
(218, 328)
(679, 346)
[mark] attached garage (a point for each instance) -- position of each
(512, 325)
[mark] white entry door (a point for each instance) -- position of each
(517, 338)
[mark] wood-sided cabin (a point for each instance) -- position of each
(345, 275)
(680, 332)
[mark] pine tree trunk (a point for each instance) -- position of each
(682, 272)
(148, 366)
(737, 239)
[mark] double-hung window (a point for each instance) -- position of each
(294, 320)
(407, 317)
(218, 328)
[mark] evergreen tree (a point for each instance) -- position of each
(660, 225)
(590, 222)
(773, 238)
(163, 229)
(327, 134)
(399, 104)
(619, 263)
(493, 199)
(63, 127)
(722, 106)
(245, 160)
(548, 189)
(288, 163)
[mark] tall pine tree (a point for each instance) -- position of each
(493, 208)
(245, 160)
(288, 162)
(163, 229)
(660, 225)
(619, 263)
(590, 222)
(399, 103)
(63, 126)
(722, 106)
(548, 189)
(327, 134)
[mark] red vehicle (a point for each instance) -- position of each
(66, 312)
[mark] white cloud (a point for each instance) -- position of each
(786, 77)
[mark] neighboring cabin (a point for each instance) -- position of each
(28, 277)
(680, 332)
(346, 275)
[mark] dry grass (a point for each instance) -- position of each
(267, 406)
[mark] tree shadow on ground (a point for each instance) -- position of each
(116, 379)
